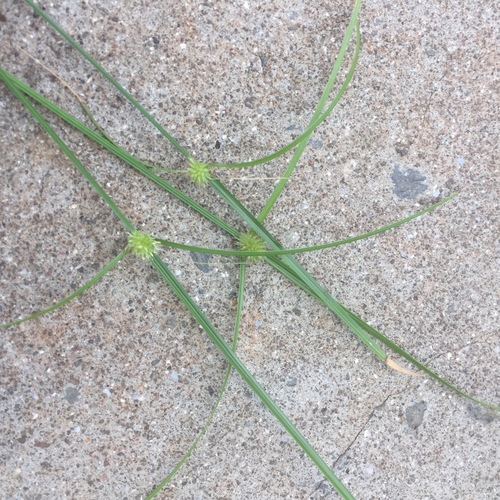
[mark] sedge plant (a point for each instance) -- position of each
(252, 244)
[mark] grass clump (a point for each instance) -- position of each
(257, 243)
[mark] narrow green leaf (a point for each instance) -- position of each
(75, 294)
(224, 348)
(313, 248)
(396, 348)
(319, 108)
(186, 456)
(313, 125)
(108, 77)
(294, 278)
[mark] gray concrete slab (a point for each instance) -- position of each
(101, 398)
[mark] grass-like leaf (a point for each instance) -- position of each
(235, 362)
(75, 294)
(317, 113)
(182, 461)
(312, 248)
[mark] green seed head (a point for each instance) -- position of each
(250, 242)
(198, 172)
(142, 245)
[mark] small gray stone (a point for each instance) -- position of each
(415, 414)
(72, 394)
(316, 143)
(200, 260)
(479, 413)
(407, 183)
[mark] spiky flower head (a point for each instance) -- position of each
(142, 245)
(250, 242)
(198, 172)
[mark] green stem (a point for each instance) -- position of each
(290, 251)
(313, 125)
(221, 344)
(78, 292)
(221, 392)
(319, 108)
(108, 77)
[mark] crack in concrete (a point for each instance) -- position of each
(384, 402)
(353, 441)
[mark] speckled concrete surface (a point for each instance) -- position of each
(101, 398)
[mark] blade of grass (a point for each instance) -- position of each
(313, 248)
(186, 456)
(221, 344)
(314, 124)
(389, 343)
(294, 278)
(264, 159)
(75, 294)
(108, 77)
(319, 108)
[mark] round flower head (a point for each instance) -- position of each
(250, 242)
(142, 245)
(198, 172)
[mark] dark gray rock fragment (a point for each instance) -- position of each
(200, 260)
(407, 183)
(415, 414)
(72, 394)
